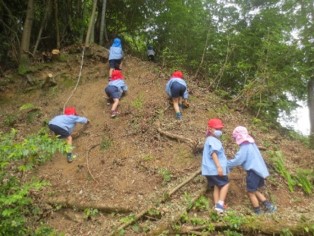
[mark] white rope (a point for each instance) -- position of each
(78, 79)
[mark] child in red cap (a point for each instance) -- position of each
(214, 163)
(115, 89)
(176, 88)
(63, 125)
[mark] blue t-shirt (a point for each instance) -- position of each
(67, 122)
(180, 81)
(250, 158)
(211, 145)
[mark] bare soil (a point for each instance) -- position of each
(122, 164)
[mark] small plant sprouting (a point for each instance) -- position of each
(106, 143)
(201, 204)
(166, 175)
(128, 219)
(138, 102)
(89, 213)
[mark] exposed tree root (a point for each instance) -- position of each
(265, 229)
(194, 144)
(68, 203)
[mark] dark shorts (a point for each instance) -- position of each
(62, 133)
(216, 180)
(112, 92)
(177, 90)
(253, 181)
(115, 63)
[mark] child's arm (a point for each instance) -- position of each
(217, 163)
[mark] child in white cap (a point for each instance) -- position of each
(251, 160)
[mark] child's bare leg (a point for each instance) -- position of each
(176, 104)
(253, 199)
(110, 71)
(260, 196)
(69, 140)
(115, 104)
(216, 194)
(223, 193)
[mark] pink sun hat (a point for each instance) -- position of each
(240, 134)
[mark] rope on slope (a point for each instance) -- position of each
(78, 79)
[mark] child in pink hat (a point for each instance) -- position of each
(251, 160)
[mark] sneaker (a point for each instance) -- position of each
(219, 208)
(179, 116)
(69, 158)
(270, 207)
(114, 114)
(181, 107)
(257, 210)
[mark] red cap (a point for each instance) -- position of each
(177, 74)
(70, 111)
(116, 74)
(215, 123)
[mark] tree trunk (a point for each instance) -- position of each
(311, 110)
(103, 23)
(43, 23)
(91, 24)
(26, 36)
(57, 25)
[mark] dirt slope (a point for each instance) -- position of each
(123, 163)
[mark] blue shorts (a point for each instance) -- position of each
(115, 63)
(215, 180)
(113, 92)
(177, 90)
(253, 181)
(62, 133)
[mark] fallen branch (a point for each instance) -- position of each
(196, 173)
(190, 142)
(87, 161)
(68, 203)
(176, 217)
(145, 211)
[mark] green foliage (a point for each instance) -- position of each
(10, 120)
(201, 204)
(303, 178)
(106, 143)
(286, 232)
(138, 102)
(278, 161)
(89, 213)
(234, 220)
(165, 174)
(17, 157)
(128, 219)
(27, 106)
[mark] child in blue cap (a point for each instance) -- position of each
(251, 160)
(176, 88)
(115, 56)
(214, 164)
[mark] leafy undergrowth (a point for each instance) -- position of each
(128, 164)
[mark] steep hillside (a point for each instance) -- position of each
(134, 162)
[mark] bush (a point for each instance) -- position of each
(17, 157)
